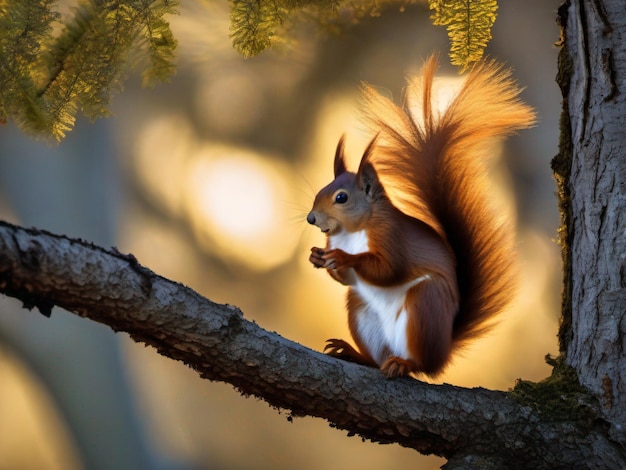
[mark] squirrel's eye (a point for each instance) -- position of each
(341, 198)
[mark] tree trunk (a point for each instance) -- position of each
(591, 170)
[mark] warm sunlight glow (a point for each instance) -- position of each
(235, 200)
(444, 90)
(231, 102)
(159, 159)
(516, 347)
(34, 434)
(238, 202)
(235, 194)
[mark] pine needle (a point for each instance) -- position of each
(46, 80)
(469, 25)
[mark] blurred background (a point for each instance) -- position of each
(207, 180)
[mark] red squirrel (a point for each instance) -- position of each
(428, 260)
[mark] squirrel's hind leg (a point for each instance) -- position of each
(393, 366)
(398, 367)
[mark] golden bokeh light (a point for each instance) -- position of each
(230, 101)
(235, 200)
(525, 332)
(159, 159)
(33, 432)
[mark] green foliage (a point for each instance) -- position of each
(47, 78)
(22, 29)
(53, 67)
(259, 24)
(160, 44)
(254, 24)
(469, 25)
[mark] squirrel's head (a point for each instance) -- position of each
(346, 203)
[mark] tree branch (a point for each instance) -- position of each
(43, 270)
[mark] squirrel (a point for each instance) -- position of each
(428, 260)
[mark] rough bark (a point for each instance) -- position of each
(468, 426)
(591, 170)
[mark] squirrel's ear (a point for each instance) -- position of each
(367, 176)
(340, 161)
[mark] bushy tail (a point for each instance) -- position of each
(433, 165)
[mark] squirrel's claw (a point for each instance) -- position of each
(339, 348)
(316, 257)
(397, 367)
(336, 259)
(326, 259)
(342, 350)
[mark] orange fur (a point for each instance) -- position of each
(420, 202)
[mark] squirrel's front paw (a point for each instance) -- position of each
(336, 259)
(316, 257)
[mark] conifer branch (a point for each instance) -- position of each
(23, 28)
(469, 25)
(259, 24)
(47, 80)
(254, 24)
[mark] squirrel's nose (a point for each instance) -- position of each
(311, 218)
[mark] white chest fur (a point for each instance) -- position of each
(382, 321)
(350, 242)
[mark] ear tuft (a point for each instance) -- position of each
(367, 176)
(340, 160)
(369, 150)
